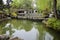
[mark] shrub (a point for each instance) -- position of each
(56, 25)
(14, 14)
(45, 12)
(53, 23)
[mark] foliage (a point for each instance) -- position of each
(42, 4)
(21, 3)
(1, 12)
(6, 11)
(27, 4)
(14, 14)
(45, 13)
(50, 21)
(17, 3)
(58, 4)
(53, 23)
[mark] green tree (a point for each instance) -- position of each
(42, 4)
(27, 4)
(21, 4)
(17, 3)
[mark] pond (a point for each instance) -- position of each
(28, 30)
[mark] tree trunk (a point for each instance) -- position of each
(8, 6)
(55, 8)
(1, 5)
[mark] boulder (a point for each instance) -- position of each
(4, 37)
(15, 38)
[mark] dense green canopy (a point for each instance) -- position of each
(43, 4)
(22, 3)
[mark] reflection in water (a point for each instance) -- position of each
(30, 35)
(48, 36)
(9, 29)
(27, 30)
(33, 34)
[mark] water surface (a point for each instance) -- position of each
(28, 30)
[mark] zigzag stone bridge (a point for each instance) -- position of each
(30, 14)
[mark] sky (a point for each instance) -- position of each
(34, 3)
(4, 1)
